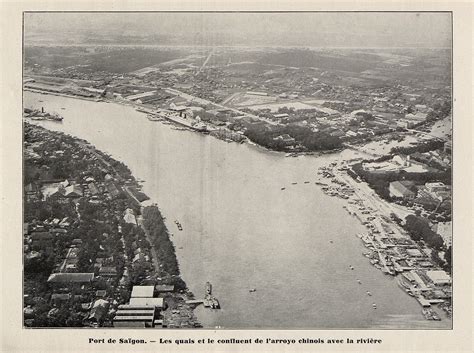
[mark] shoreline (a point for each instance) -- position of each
(383, 237)
(126, 182)
(267, 150)
(143, 109)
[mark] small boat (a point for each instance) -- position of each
(252, 290)
(374, 306)
(63, 108)
(351, 267)
(283, 188)
(306, 182)
(369, 294)
(56, 117)
(294, 183)
(358, 281)
(214, 303)
(331, 241)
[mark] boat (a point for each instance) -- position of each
(252, 290)
(369, 294)
(55, 117)
(63, 108)
(306, 182)
(374, 306)
(283, 188)
(214, 303)
(358, 281)
(351, 267)
(208, 287)
(294, 183)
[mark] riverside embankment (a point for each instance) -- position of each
(240, 230)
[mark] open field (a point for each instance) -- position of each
(118, 60)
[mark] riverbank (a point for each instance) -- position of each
(223, 235)
(95, 192)
(390, 248)
(219, 132)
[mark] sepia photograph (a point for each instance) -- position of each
(237, 170)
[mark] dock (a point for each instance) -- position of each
(195, 301)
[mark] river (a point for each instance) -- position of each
(241, 231)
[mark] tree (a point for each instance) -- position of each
(448, 257)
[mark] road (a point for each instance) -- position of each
(207, 60)
(365, 193)
(203, 101)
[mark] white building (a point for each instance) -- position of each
(439, 277)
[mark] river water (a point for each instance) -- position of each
(241, 231)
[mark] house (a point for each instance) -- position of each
(73, 192)
(135, 97)
(414, 252)
(98, 312)
(108, 271)
(402, 189)
(93, 189)
(135, 316)
(435, 187)
(100, 293)
(60, 297)
(439, 277)
(32, 192)
(164, 288)
(75, 278)
(129, 216)
(337, 133)
(112, 189)
(402, 160)
(418, 117)
(65, 222)
(142, 291)
(155, 302)
(253, 93)
(286, 139)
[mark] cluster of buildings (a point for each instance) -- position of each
(81, 259)
(390, 248)
(143, 309)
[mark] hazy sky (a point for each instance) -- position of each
(311, 29)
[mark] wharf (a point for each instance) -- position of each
(195, 301)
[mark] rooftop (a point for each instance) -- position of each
(71, 278)
(142, 291)
(156, 302)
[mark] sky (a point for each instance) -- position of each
(362, 29)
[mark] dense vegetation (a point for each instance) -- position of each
(422, 147)
(419, 229)
(313, 141)
(165, 251)
(380, 181)
(121, 60)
